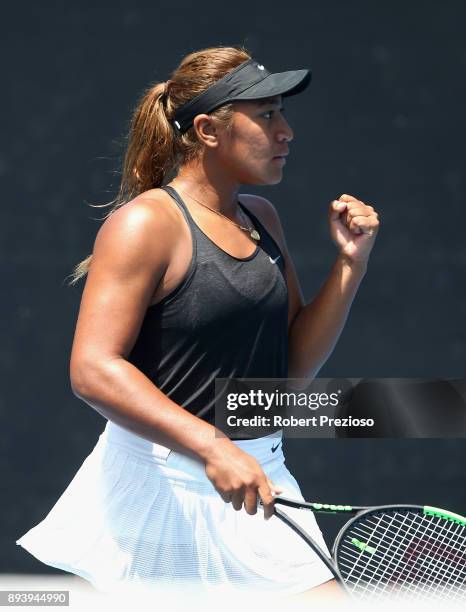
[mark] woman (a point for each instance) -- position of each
(190, 281)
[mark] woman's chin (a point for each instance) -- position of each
(268, 178)
(275, 178)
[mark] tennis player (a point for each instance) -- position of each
(189, 281)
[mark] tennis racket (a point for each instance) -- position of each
(392, 552)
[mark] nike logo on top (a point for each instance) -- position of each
(274, 260)
(274, 448)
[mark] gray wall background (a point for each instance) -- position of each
(384, 120)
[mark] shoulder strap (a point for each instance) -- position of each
(176, 196)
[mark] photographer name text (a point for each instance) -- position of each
(314, 421)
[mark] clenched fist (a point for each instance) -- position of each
(353, 227)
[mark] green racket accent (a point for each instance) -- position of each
(363, 546)
(331, 508)
(451, 516)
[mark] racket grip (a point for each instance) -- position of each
(316, 506)
(286, 501)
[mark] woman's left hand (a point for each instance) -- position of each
(353, 227)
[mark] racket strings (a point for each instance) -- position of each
(443, 562)
(424, 573)
(370, 568)
(391, 552)
(449, 572)
(428, 571)
(406, 554)
(431, 571)
(389, 561)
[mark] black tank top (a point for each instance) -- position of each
(228, 318)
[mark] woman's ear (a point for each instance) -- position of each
(206, 130)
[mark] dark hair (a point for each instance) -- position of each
(153, 149)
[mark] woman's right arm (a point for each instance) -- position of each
(131, 255)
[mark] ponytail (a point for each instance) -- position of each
(150, 154)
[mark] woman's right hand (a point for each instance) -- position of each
(239, 478)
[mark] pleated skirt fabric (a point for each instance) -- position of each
(137, 513)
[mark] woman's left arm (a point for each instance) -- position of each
(314, 328)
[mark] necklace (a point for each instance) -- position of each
(251, 230)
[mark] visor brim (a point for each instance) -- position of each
(281, 83)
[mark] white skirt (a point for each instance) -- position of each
(138, 513)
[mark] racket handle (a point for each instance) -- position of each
(316, 506)
(287, 501)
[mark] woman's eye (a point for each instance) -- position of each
(268, 114)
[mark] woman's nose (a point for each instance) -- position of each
(285, 132)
